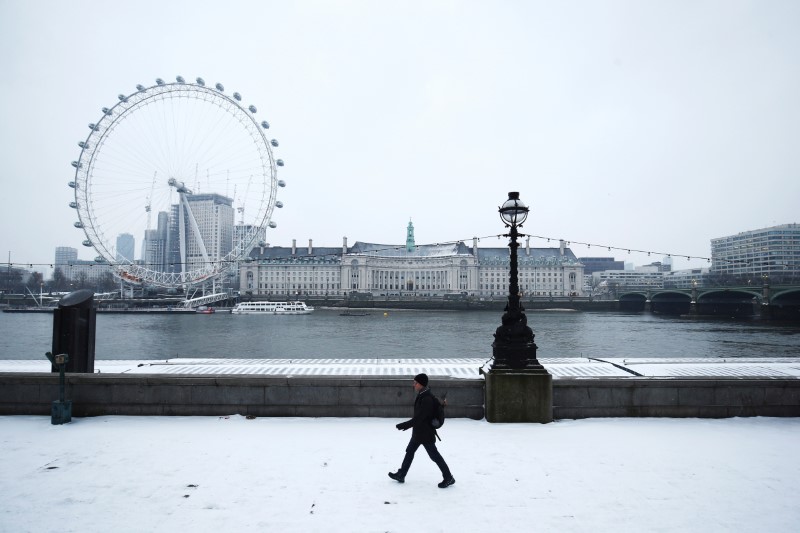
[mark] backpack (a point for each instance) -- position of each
(438, 411)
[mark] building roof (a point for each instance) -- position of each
(280, 253)
(399, 250)
(539, 256)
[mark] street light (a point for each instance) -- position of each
(513, 347)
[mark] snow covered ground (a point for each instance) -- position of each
(304, 474)
(460, 368)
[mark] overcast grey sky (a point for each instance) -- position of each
(649, 125)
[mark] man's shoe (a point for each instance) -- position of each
(400, 477)
(446, 483)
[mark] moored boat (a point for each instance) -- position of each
(272, 308)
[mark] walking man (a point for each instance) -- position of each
(422, 434)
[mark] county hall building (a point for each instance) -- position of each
(432, 270)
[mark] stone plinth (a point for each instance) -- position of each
(519, 396)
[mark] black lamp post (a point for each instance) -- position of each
(513, 347)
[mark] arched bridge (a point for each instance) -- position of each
(778, 301)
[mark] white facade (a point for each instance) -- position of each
(428, 270)
(406, 270)
(88, 271)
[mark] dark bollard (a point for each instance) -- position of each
(74, 324)
(61, 410)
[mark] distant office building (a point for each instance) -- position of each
(772, 252)
(154, 247)
(252, 235)
(212, 216)
(642, 278)
(597, 264)
(125, 248)
(65, 254)
(660, 266)
(685, 279)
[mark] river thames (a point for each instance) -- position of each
(401, 334)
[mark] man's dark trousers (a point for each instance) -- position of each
(433, 453)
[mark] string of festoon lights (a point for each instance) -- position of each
(377, 251)
(609, 248)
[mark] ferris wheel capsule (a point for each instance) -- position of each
(71, 184)
(94, 127)
(272, 224)
(274, 142)
(99, 259)
(252, 109)
(78, 225)
(265, 124)
(201, 82)
(237, 97)
(278, 204)
(87, 243)
(122, 98)
(82, 144)
(107, 112)
(220, 87)
(140, 88)
(73, 205)
(279, 162)
(76, 164)
(180, 79)
(159, 81)
(281, 183)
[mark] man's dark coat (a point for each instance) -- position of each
(424, 411)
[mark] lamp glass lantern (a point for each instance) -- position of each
(513, 212)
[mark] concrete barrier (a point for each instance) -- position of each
(120, 394)
(676, 398)
(363, 396)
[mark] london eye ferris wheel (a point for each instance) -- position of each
(185, 170)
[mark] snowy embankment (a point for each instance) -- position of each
(267, 474)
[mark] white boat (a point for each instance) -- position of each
(272, 308)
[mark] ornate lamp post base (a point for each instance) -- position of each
(513, 347)
(519, 396)
(518, 388)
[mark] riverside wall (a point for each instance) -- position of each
(192, 395)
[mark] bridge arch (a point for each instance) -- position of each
(785, 304)
(728, 302)
(671, 303)
(633, 301)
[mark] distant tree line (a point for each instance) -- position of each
(20, 281)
